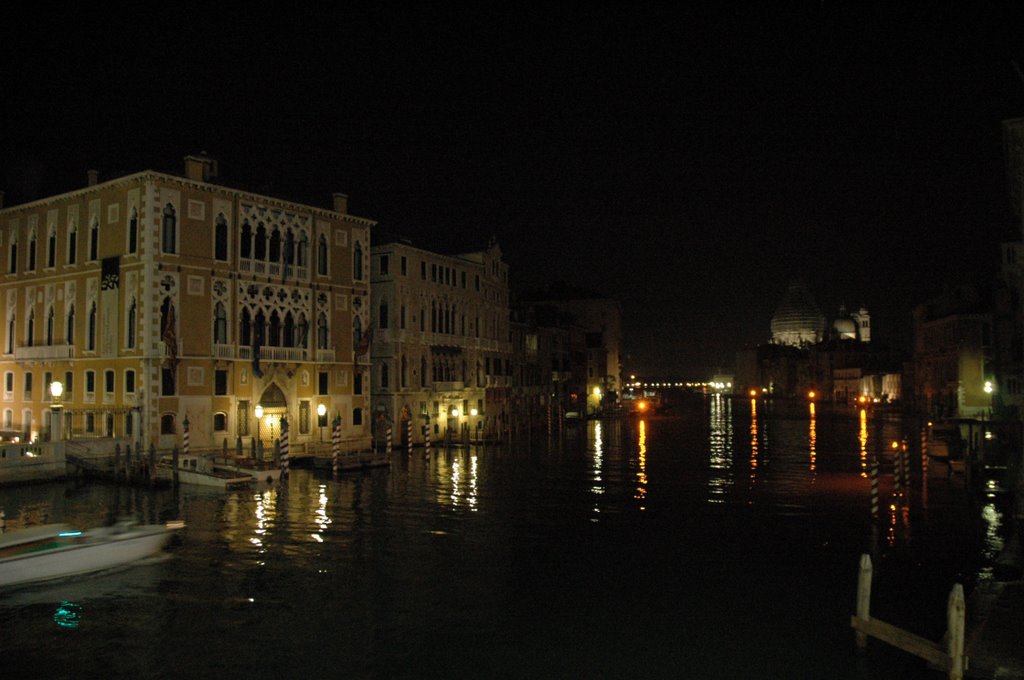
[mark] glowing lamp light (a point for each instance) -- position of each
(455, 413)
(258, 410)
(811, 395)
(473, 412)
(989, 388)
(321, 410)
(753, 393)
(895, 445)
(56, 389)
(642, 405)
(597, 391)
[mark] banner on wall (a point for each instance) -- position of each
(110, 284)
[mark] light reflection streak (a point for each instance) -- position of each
(862, 437)
(266, 512)
(993, 520)
(456, 477)
(753, 438)
(472, 483)
(720, 449)
(598, 486)
(812, 438)
(320, 517)
(641, 475)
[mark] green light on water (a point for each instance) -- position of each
(67, 614)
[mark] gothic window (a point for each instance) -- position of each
(303, 254)
(261, 242)
(260, 329)
(31, 328)
(70, 326)
(275, 245)
(289, 248)
(423, 371)
(133, 231)
(321, 331)
(433, 316)
(246, 247)
(32, 252)
(72, 245)
(169, 230)
(90, 339)
(289, 330)
(220, 324)
(13, 259)
(51, 248)
(220, 238)
(94, 240)
(321, 256)
(49, 327)
(275, 330)
(357, 262)
(245, 328)
(302, 330)
(357, 332)
(130, 339)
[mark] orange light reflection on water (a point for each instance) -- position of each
(812, 438)
(862, 437)
(641, 475)
(753, 438)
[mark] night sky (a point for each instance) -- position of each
(687, 162)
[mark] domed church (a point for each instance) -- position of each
(798, 321)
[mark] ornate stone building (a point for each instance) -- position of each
(441, 347)
(155, 298)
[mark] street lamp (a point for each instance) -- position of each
(56, 390)
(259, 416)
(321, 413)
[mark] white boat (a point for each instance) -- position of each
(200, 470)
(57, 550)
(261, 470)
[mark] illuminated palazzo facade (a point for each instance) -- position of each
(441, 347)
(155, 298)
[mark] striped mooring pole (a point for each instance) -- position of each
(426, 440)
(284, 445)
(408, 434)
(874, 487)
(388, 438)
(335, 443)
(184, 437)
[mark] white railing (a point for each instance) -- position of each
(223, 351)
(44, 352)
(324, 356)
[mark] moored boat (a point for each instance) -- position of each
(54, 551)
(201, 471)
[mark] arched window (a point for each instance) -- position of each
(31, 328)
(220, 324)
(49, 327)
(32, 252)
(10, 336)
(220, 238)
(384, 377)
(169, 231)
(357, 416)
(51, 247)
(275, 330)
(245, 250)
(13, 259)
(69, 326)
(289, 330)
(133, 231)
(259, 329)
(90, 340)
(130, 337)
(167, 423)
(357, 262)
(302, 332)
(357, 332)
(303, 255)
(245, 329)
(73, 245)
(321, 331)
(275, 245)
(94, 240)
(423, 371)
(289, 248)
(261, 242)
(321, 256)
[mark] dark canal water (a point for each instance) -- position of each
(720, 542)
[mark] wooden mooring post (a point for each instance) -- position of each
(948, 657)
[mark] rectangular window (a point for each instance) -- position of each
(385, 265)
(405, 265)
(423, 270)
(129, 381)
(357, 382)
(90, 382)
(47, 379)
(220, 382)
(9, 382)
(433, 273)
(69, 385)
(166, 382)
(90, 422)
(220, 422)
(322, 382)
(108, 382)
(28, 386)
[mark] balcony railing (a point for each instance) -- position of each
(449, 386)
(44, 352)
